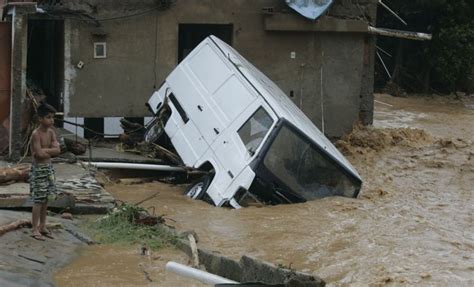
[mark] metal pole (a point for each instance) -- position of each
(383, 64)
(137, 166)
(393, 12)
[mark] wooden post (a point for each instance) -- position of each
(18, 72)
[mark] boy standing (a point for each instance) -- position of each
(44, 145)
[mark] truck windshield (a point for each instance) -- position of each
(305, 169)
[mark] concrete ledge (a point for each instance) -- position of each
(290, 22)
(255, 270)
(250, 269)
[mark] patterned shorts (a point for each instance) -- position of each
(42, 182)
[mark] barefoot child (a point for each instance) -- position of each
(44, 145)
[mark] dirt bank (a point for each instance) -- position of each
(412, 223)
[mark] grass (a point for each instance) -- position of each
(119, 227)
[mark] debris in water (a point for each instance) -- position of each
(376, 139)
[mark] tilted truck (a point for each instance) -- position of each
(224, 116)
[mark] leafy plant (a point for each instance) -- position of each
(120, 227)
(446, 63)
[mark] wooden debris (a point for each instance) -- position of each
(66, 215)
(14, 226)
(133, 132)
(21, 223)
(14, 174)
(135, 180)
(194, 251)
(150, 220)
(75, 147)
(146, 199)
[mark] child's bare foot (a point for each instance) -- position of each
(36, 235)
(46, 233)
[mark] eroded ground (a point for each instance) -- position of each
(412, 223)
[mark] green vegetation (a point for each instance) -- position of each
(120, 227)
(444, 64)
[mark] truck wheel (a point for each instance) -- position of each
(197, 189)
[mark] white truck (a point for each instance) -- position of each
(226, 117)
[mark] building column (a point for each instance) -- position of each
(18, 75)
(366, 110)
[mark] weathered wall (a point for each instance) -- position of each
(122, 83)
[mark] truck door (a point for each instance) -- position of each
(241, 141)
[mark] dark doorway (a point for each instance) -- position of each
(190, 35)
(45, 68)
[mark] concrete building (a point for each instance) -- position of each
(99, 60)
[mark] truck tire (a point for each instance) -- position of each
(197, 189)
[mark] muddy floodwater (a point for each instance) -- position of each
(411, 225)
(107, 265)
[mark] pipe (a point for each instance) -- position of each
(399, 34)
(139, 166)
(202, 276)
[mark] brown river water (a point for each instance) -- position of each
(411, 225)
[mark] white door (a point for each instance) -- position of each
(238, 145)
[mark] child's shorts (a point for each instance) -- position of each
(42, 182)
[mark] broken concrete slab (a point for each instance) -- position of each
(15, 201)
(79, 191)
(250, 269)
(255, 270)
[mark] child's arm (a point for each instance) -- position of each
(36, 149)
(54, 150)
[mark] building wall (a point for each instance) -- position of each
(139, 47)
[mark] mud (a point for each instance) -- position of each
(411, 225)
(105, 265)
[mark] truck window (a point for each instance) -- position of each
(254, 130)
(304, 169)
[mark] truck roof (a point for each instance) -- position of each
(281, 103)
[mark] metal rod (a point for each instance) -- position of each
(383, 51)
(383, 64)
(399, 34)
(202, 276)
(139, 166)
(393, 12)
(380, 102)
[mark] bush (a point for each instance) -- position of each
(446, 63)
